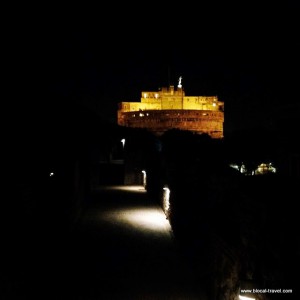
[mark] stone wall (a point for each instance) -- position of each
(158, 122)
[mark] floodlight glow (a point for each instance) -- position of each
(234, 166)
(265, 168)
(144, 178)
(243, 169)
(166, 200)
(144, 220)
(123, 142)
(128, 188)
(245, 298)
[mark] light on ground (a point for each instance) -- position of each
(245, 298)
(142, 219)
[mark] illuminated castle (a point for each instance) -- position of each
(169, 108)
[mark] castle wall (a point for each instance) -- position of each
(172, 103)
(160, 121)
(169, 108)
(136, 106)
(202, 103)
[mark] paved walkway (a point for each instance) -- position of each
(122, 248)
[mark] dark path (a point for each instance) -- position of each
(122, 248)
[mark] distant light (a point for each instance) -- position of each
(123, 142)
(156, 96)
(144, 178)
(166, 201)
(234, 166)
(246, 298)
(214, 104)
(265, 168)
(243, 169)
(51, 174)
(145, 95)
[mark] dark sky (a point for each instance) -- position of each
(247, 55)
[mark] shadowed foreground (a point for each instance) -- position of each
(122, 248)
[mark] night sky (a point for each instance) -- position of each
(247, 55)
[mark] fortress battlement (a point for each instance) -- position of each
(169, 108)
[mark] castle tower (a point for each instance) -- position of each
(169, 108)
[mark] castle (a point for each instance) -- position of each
(170, 108)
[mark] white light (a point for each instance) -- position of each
(234, 166)
(166, 200)
(144, 178)
(51, 174)
(179, 82)
(243, 169)
(123, 142)
(128, 188)
(246, 298)
(140, 219)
